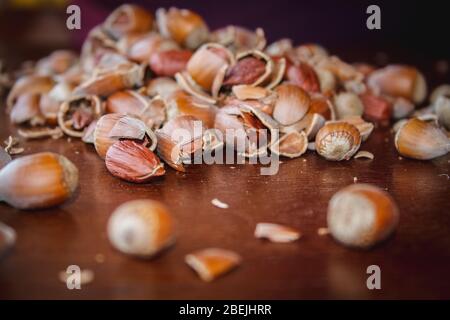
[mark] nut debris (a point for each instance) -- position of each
(276, 232)
(323, 231)
(99, 258)
(364, 154)
(11, 146)
(86, 276)
(219, 204)
(212, 262)
(39, 133)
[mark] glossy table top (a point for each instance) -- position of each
(414, 262)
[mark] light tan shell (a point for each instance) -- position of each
(95, 104)
(348, 104)
(365, 128)
(421, 140)
(292, 104)
(206, 65)
(141, 228)
(399, 81)
(338, 141)
(112, 127)
(212, 262)
(185, 81)
(276, 232)
(292, 144)
(361, 215)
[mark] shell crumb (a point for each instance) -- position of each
(99, 258)
(365, 155)
(219, 204)
(323, 231)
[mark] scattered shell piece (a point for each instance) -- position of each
(444, 175)
(10, 143)
(219, 204)
(7, 238)
(15, 151)
(99, 258)
(364, 154)
(276, 232)
(244, 92)
(39, 133)
(213, 262)
(323, 231)
(86, 276)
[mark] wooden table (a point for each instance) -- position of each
(414, 263)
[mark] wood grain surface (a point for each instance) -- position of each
(414, 263)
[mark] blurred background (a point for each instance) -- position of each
(414, 32)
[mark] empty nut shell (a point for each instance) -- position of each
(207, 62)
(112, 127)
(292, 145)
(125, 76)
(338, 141)
(399, 81)
(292, 104)
(30, 84)
(213, 262)
(422, 140)
(133, 162)
(38, 181)
(76, 114)
(128, 19)
(184, 26)
(348, 104)
(361, 215)
(26, 109)
(141, 228)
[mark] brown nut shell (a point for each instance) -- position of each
(38, 181)
(26, 109)
(30, 84)
(105, 83)
(81, 111)
(292, 104)
(206, 63)
(338, 141)
(212, 262)
(128, 19)
(362, 215)
(141, 228)
(399, 81)
(112, 127)
(421, 140)
(292, 144)
(184, 26)
(133, 162)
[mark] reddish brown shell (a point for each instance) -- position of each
(133, 162)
